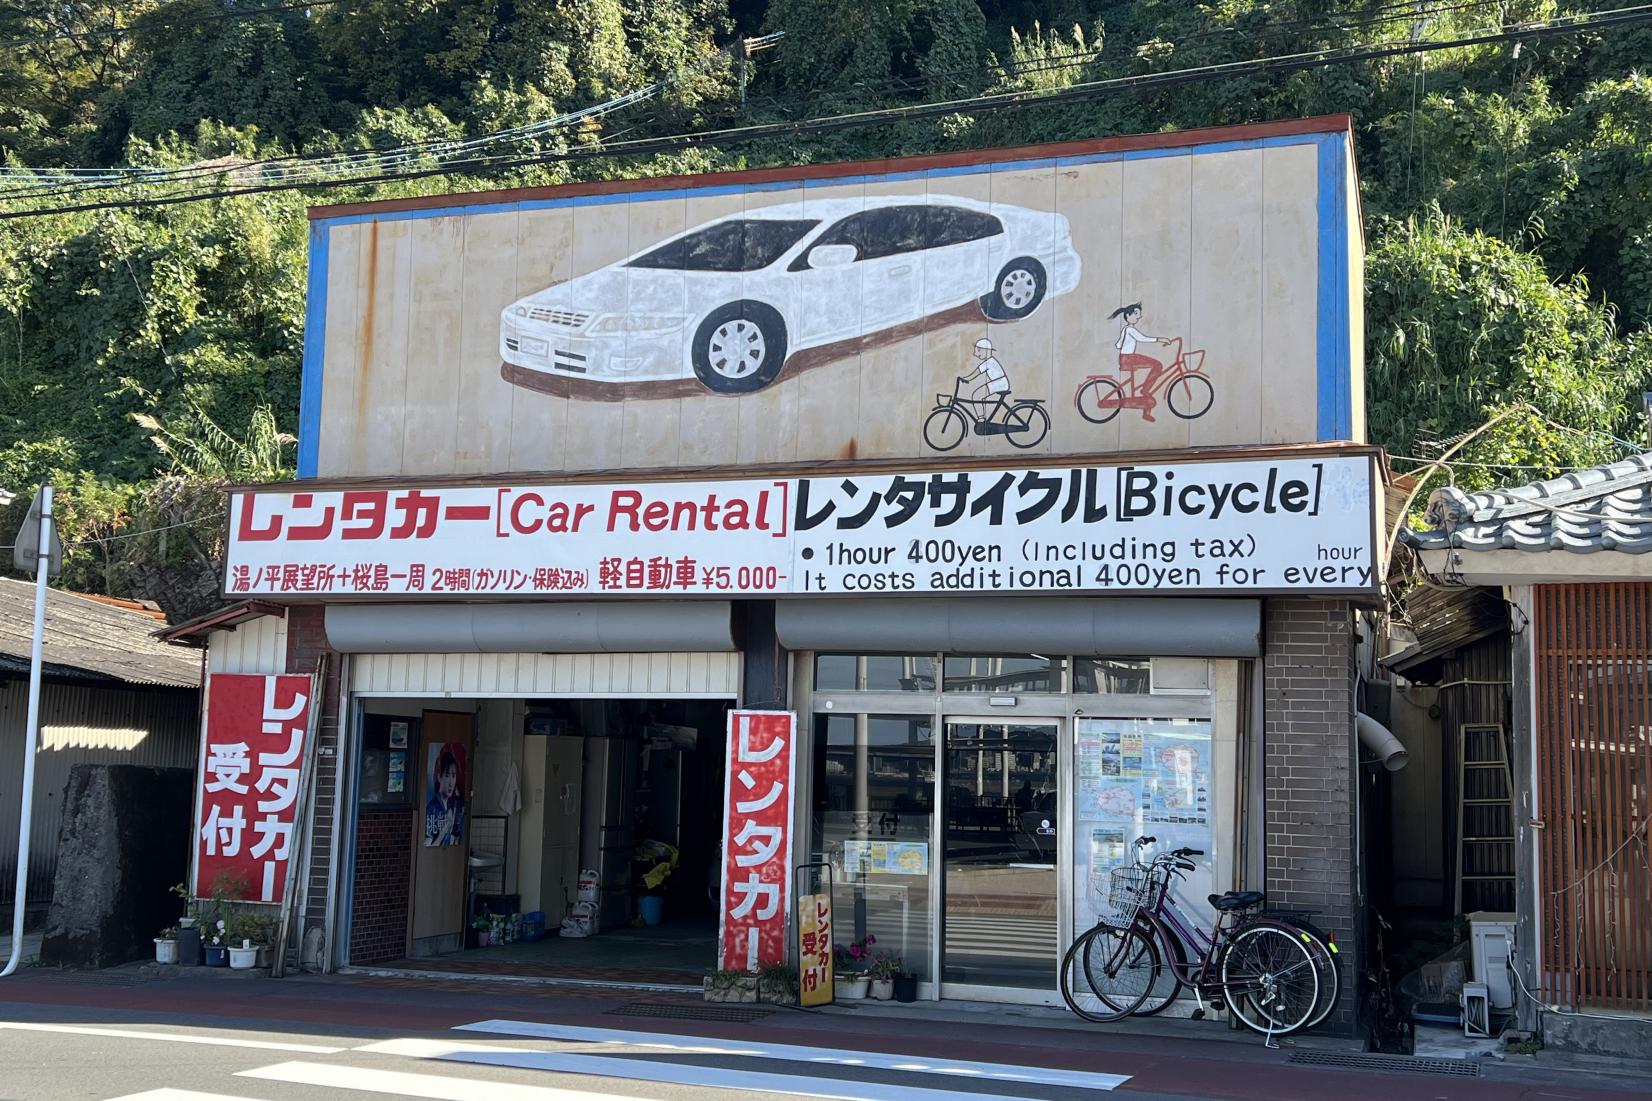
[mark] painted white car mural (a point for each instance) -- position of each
(727, 301)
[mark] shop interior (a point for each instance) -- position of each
(554, 833)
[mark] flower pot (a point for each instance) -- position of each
(166, 950)
(217, 955)
(186, 923)
(906, 988)
(189, 946)
(265, 954)
(849, 988)
(243, 959)
(882, 989)
(482, 940)
(652, 909)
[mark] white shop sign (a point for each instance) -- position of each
(1287, 525)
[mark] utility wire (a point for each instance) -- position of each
(1307, 60)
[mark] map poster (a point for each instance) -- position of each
(1176, 789)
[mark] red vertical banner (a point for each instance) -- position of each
(758, 797)
(255, 732)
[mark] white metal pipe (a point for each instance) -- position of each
(32, 730)
(1381, 742)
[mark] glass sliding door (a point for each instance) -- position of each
(874, 804)
(1000, 853)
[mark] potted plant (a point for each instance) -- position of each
(166, 945)
(188, 934)
(883, 972)
(849, 964)
(248, 936)
(216, 943)
(731, 986)
(906, 987)
(777, 984)
(481, 924)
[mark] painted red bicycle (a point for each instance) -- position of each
(1184, 384)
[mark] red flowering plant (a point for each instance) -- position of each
(856, 957)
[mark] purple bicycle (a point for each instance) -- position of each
(1274, 974)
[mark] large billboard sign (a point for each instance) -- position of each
(1150, 293)
(1281, 525)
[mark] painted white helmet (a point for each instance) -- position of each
(983, 345)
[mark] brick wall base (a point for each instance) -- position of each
(1310, 761)
(383, 886)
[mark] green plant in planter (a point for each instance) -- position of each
(731, 986)
(777, 983)
(886, 966)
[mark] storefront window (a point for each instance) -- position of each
(1112, 676)
(874, 801)
(1006, 673)
(874, 673)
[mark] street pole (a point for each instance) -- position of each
(42, 567)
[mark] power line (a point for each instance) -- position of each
(333, 166)
(1303, 61)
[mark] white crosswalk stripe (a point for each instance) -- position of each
(679, 1074)
(872, 1060)
(660, 1058)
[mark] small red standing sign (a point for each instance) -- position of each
(757, 838)
(255, 733)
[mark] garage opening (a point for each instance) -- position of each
(571, 838)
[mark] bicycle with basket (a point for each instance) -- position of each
(1272, 969)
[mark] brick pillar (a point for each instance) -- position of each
(1311, 758)
(306, 641)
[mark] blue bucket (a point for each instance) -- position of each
(652, 909)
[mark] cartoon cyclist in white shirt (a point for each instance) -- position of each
(994, 380)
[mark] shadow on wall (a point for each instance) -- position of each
(124, 842)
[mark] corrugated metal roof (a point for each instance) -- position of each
(1602, 508)
(89, 639)
(1445, 620)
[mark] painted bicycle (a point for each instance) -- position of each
(1023, 422)
(1184, 385)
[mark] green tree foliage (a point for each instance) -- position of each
(1507, 194)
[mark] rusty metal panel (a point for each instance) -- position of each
(1593, 677)
(80, 725)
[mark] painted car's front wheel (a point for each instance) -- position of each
(739, 348)
(1017, 291)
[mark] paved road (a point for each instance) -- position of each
(212, 1038)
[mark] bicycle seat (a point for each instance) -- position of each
(1238, 900)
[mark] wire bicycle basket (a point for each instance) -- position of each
(1128, 891)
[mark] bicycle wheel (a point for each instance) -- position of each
(1190, 396)
(1325, 965)
(1167, 987)
(1034, 423)
(945, 428)
(1269, 979)
(1099, 400)
(1107, 972)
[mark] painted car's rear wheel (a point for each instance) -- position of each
(739, 348)
(1017, 291)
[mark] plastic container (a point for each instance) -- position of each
(652, 909)
(533, 925)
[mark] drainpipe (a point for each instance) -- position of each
(1381, 742)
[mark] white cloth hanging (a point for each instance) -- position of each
(510, 796)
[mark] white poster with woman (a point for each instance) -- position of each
(444, 809)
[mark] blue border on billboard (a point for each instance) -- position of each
(1332, 351)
